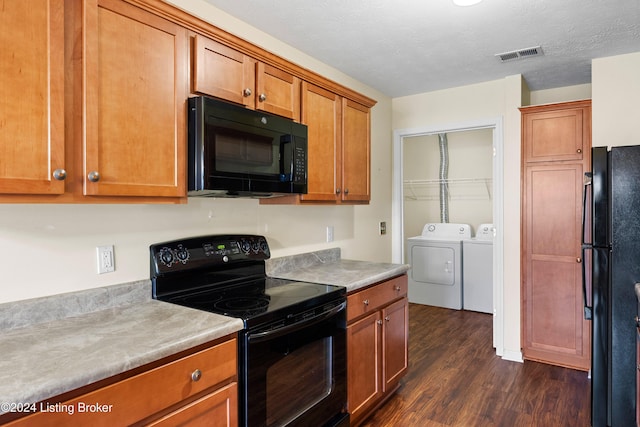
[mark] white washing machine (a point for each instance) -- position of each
(435, 256)
(477, 270)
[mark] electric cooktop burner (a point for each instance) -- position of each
(226, 274)
(246, 300)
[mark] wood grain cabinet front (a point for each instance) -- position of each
(198, 389)
(134, 102)
(92, 103)
(32, 139)
(339, 146)
(555, 156)
(223, 72)
(557, 132)
(377, 345)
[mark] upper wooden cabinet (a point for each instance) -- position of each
(356, 143)
(32, 146)
(93, 101)
(339, 147)
(226, 73)
(135, 102)
(102, 89)
(557, 132)
(322, 113)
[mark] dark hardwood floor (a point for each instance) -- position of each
(456, 379)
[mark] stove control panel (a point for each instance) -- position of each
(206, 251)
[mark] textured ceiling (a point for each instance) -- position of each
(404, 47)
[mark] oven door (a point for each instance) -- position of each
(296, 375)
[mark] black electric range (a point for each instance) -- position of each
(294, 336)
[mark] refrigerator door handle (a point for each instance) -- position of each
(588, 310)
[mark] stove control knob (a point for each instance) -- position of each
(182, 254)
(225, 259)
(166, 256)
(263, 246)
(245, 246)
(255, 246)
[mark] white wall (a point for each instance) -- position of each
(470, 160)
(49, 249)
(615, 106)
(561, 94)
(446, 109)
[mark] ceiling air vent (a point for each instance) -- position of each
(520, 54)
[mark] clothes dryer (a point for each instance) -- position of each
(435, 256)
(477, 270)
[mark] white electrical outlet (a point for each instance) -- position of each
(330, 233)
(106, 259)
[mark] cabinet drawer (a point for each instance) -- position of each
(142, 395)
(219, 408)
(369, 299)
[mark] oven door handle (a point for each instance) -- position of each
(273, 333)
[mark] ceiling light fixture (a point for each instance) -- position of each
(466, 2)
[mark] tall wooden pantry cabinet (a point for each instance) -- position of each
(556, 151)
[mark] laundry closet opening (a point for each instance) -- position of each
(447, 205)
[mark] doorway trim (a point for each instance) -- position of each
(397, 209)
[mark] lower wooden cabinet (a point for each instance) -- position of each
(198, 389)
(377, 345)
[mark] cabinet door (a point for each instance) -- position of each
(321, 113)
(223, 72)
(554, 330)
(364, 363)
(278, 92)
(355, 152)
(135, 102)
(31, 96)
(395, 349)
(218, 409)
(556, 135)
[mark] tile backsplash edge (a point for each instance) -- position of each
(277, 266)
(18, 314)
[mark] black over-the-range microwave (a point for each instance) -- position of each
(235, 151)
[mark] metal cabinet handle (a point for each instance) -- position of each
(247, 92)
(59, 174)
(262, 97)
(93, 176)
(578, 260)
(388, 319)
(397, 288)
(579, 150)
(346, 191)
(379, 322)
(338, 191)
(365, 302)
(196, 375)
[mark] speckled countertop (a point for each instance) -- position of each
(70, 342)
(327, 267)
(53, 345)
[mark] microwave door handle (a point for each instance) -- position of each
(284, 140)
(588, 310)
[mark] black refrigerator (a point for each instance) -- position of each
(612, 189)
